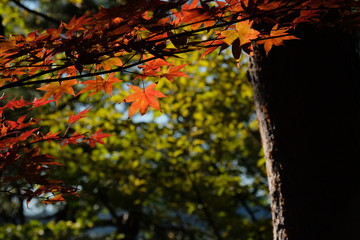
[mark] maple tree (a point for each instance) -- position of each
(150, 166)
(118, 40)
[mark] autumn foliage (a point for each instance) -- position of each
(137, 38)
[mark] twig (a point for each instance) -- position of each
(46, 17)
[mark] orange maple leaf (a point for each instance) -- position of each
(56, 89)
(57, 198)
(307, 16)
(76, 24)
(211, 46)
(94, 86)
(54, 32)
(196, 17)
(174, 72)
(143, 98)
(152, 68)
(269, 6)
(110, 62)
(69, 71)
(276, 37)
(243, 32)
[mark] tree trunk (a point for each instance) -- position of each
(307, 96)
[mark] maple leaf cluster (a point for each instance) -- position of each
(91, 50)
(21, 159)
(119, 38)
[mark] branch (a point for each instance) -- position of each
(118, 69)
(38, 75)
(46, 17)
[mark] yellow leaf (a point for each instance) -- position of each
(243, 32)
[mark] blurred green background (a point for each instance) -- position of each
(195, 171)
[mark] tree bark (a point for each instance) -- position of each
(307, 96)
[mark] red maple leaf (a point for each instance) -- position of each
(73, 139)
(23, 136)
(143, 98)
(39, 102)
(97, 137)
(16, 104)
(48, 137)
(74, 118)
